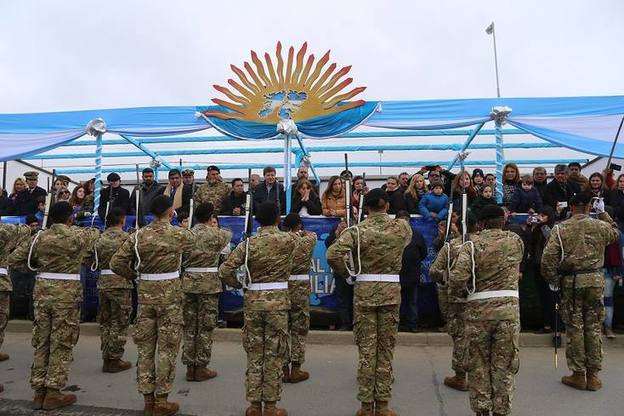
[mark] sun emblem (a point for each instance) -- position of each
(268, 94)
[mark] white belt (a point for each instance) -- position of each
(388, 278)
(106, 272)
(58, 276)
(202, 269)
(299, 277)
(491, 294)
(4, 271)
(159, 276)
(268, 286)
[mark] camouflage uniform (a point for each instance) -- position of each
(299, 292)
(201, 293)
(579, 264)
(57, 255)
(376, 304)
(492, 324)
(215, 193)
(115, 306)
(456, 305)
(159, 320)
(265, 334)
(10, 237)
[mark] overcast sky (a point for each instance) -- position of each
(77, 54)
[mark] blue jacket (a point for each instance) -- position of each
(433, 203)
(522, 201)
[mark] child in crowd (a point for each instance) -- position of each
(526, 198)
(434, 204)
(486, 198)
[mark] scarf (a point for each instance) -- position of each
(177, 198)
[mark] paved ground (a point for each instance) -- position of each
(419, 371)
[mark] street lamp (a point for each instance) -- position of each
(491, 31)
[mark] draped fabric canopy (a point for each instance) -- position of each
(585, 124)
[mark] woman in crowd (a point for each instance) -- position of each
(463, 183)
(359, 188)
(77, 198)
(82, 202)
(511, 180)
(305, 201)
(478, 179)
(595, 186)
(19, 198)
(333, 201)
(63, 195)
(416, 189)
(397, 203)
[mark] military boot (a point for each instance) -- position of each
(382, 409)
(365, 410)
(3, 356)
(148, 407)
(271, 409)
(115, 366)
(38, 399)
(54, 399)
(254, 409)
(297, 374)
(203, 373)
(190, 373)
(164, 408)
(576, 380)
(286, 375)
(593, 382)
(457, 382)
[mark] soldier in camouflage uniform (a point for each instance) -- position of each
(115, 302)
(572, 260)
(299, 291)
(439, 273)
(213, 191)
(268, 257)
(377, 296)
(201, 287)
(487, 270)
(154, 253)
(57, 254)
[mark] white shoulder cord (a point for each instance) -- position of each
(32, 245)
(473, 269)
(560, 243)
(96, 262)
(136, 252)
(448, 265)
(353, 273)
(247, 279)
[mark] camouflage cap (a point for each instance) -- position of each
(188, 172)
(31, 174)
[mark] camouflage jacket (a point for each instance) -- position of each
(270, 260)
(439, 268)
(160, 247)
(10, 237)
(584, 241)
(305, 241)
(208, 242)
(108, 243)
(497, 257)
(382, 241)
(213, 193)
(59, 249)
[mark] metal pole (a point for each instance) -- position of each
(287, 171)
(98, 172)
(4, 170)
(617, 136)
(469, 140)
(500, 161)
(496, 62)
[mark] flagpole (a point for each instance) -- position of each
(490, 30)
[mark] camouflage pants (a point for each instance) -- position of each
(443, 303)
(456, 329)
(115, 307)
(200, 319)
(157, 327)
(492, 362)
(375, 330)
(265, 339)
(55, 333)
(298, 326)
(4, 313)
(583, 312)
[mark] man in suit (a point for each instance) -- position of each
(179, 193)
(269, 189)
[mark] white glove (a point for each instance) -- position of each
(553, 288)
(599, 205)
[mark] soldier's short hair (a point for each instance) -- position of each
(160, 205)
(267, 213)
(376, 199)
(580, 199)
(291, 221)
(204, 211)
(490, 212)
(403, 214)
(60, 212)
(115, 215)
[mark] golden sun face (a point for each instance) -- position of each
(268, 93)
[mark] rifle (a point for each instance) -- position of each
(190, 218)
(137, 196)
(246, 277)
(46, 211)
(352, 273)
(556, 343)
(449, 218)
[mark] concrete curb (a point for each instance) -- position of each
(340, 337)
